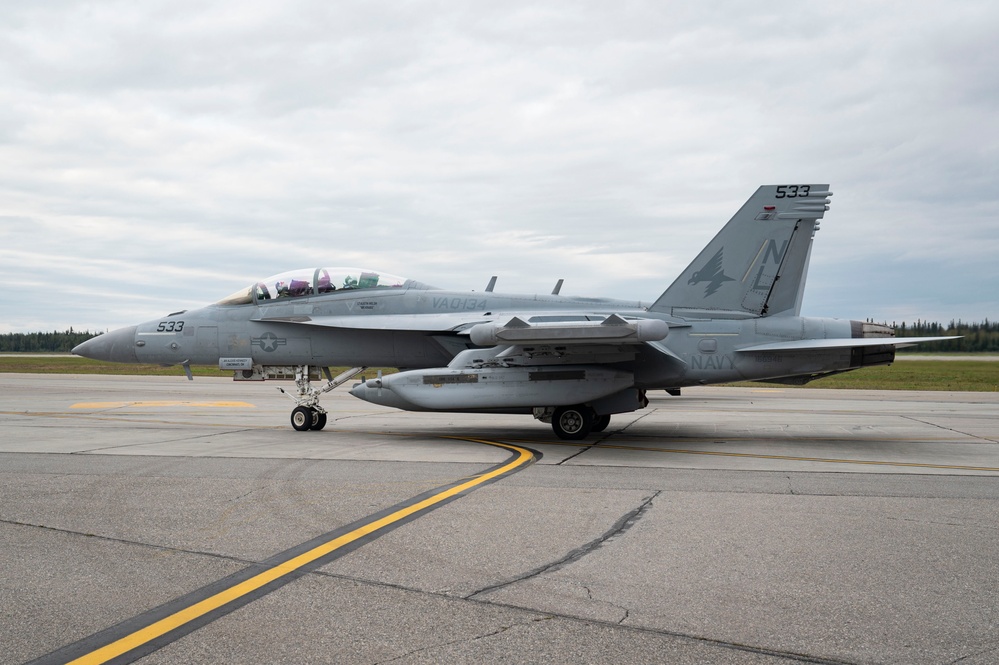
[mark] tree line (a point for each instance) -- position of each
(976, 338)
(43, 342)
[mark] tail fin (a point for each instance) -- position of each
(757, 263)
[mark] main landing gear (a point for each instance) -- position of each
(308, 414)
(576, 422)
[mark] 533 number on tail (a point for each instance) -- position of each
(792, 191)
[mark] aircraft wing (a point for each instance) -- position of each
(534, 338)
(502, 328)
(448, 322)
(840, 343)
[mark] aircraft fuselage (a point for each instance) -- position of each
(274, 335)
(732, 315)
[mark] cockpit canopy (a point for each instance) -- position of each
(311, 282)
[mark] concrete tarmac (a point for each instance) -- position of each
(729, 525)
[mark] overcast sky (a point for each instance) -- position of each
(159, 155)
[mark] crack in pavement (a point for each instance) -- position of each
(610, 434)
(986, 439)
(547, 615)
(623, 524)
(973, 655)
(124, 541)
(468, 640)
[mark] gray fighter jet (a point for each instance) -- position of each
(732, 315)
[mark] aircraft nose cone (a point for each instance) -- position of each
(117, 346)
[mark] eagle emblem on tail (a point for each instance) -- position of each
(711, 273)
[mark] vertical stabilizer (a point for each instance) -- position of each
(757, 263)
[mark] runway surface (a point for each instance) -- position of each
(165, 521)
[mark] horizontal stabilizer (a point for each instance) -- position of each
(841, 343)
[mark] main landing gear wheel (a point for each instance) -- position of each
(572, 422)
(301, 418)
(318, 420)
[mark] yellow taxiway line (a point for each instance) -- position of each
(120, 405)
(159, 628)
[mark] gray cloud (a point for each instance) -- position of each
(156, 156)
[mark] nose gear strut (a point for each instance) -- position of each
(309, 414)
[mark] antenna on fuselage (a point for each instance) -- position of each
(492, 283)
(558, 287)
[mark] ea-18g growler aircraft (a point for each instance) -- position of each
(732, 315)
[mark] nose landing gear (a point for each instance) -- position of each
(303, 418)
(308, 414)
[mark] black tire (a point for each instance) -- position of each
(301, 418)
(572, 422)
(600, 423)
(318, 420)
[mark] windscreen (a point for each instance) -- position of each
(309, 281)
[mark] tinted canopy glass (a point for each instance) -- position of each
(314, 281)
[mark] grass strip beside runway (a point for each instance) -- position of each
(965, 375)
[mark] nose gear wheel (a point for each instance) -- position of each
(301, 418)
(309, 414)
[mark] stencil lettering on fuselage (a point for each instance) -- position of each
(459, 303)
(709, 361)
